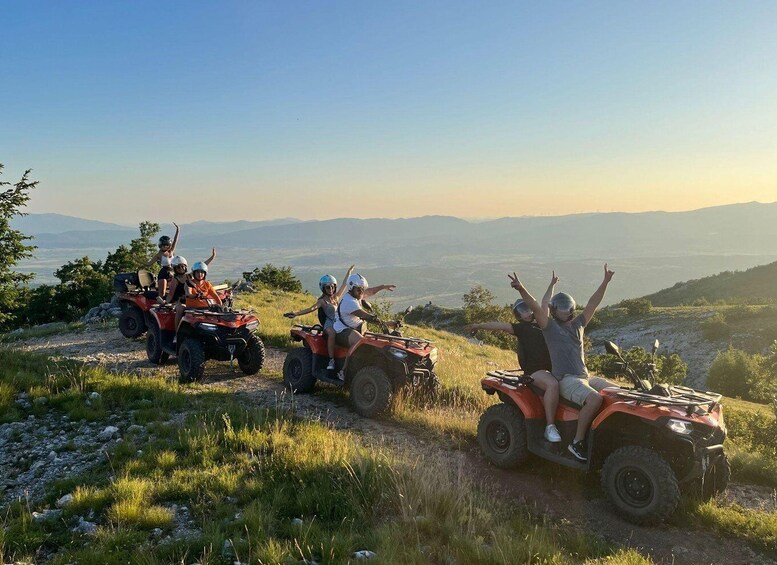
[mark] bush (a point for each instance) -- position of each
(734, 373)
(670, 369)
(274, 277)
(636, 306)
(479, 307)
(715, 328)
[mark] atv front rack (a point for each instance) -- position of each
(682, 397)
(412, 342)
(514, 377)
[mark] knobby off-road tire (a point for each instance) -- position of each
(251, 359)
(298, 371)
(371, 392)
(640, 484)
(154, 346)
(502, 436)
(191, 361)
(131, 322)
(716, 478)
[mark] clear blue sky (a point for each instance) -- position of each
(227, 110)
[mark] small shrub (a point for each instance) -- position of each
(733, 373)
(271, 276)
(636, 306)
(715, 328)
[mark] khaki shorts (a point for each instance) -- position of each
(576, 388)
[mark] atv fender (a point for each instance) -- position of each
(521, 396)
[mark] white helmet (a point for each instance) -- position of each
(200, 266)
(179, 260)
(357, 280)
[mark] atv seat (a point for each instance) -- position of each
(561, 400)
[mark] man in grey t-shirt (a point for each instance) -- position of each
(563, 333)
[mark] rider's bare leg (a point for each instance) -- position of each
(353, 338)
(587, 414)
(179, 310)
(330, 341)
(548, 383)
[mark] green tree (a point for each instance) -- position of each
(83, 284)
(13, 245)
(715, 328)
(274, 277)
(670, 368)
(134, 256)
(479, 307)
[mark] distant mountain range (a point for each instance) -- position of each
(439, 257)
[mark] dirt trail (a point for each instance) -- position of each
(576, 504)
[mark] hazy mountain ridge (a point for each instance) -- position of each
(439, 258)
(758, 283)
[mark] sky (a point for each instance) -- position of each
(258, 110)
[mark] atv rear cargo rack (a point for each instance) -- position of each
(512, 377)
(682, 397)
(413, 342)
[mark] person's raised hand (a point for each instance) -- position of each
(391, 287)
(176, 225)
(514, 282)
(289, 315)
(213, 252)
(607, 274)
(553, 278)
(470, 329)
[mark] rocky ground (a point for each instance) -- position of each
(38, 450)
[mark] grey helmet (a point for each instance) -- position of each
(165, 240)
(522, 311)
(562, 307)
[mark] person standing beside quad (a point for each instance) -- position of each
(533, 355)
(327, 310)
(563, 333)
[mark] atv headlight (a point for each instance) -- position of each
(433, 356)
(398, 353)
(207, 327)
(680, 426)
(251, 326)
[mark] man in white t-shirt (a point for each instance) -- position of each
(351, 315)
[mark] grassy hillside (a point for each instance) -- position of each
(753, 286)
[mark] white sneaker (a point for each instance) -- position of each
(331, 366)
(551, 434)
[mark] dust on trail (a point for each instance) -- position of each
(576, 504)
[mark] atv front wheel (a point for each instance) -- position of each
(640, 485)
(154, 349)
(716, 478)
(298, 371)
(371, 392)
(502, 436)
(131, 322)
(252, 358)
(191, 361)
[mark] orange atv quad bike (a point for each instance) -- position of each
(379, 366)
(216, 332)
(649, 442)
(137, 293)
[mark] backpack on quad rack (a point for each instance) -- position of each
(379, 366)
(649, 443)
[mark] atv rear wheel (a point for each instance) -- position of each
(252, 358)
(298, 371)
(131, 322)
(154, 349)
(191, 361)
(640, 485)
(502, 436)
(371, 392)
(716, 478)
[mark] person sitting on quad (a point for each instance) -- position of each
(327, 310)
(164, 258)
(533, 356)
(352, 312)
(563, 333)
(198, 288)
(176, 293)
